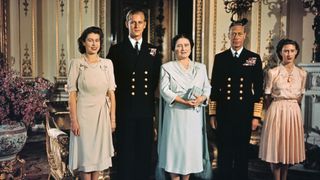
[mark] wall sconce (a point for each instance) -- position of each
(238, 7)
(314, 7)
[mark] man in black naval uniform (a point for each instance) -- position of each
(137, 68)
(236, 103)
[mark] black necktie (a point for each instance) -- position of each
(236, 54)
(137, 47)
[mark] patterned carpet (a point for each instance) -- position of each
(37, 168)
(34, 153)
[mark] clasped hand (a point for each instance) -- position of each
(195, 102)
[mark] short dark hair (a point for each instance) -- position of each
(133, 11)
(84, 35)
(179, 36)
(284, 42)
(241, 22)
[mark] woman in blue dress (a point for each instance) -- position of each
(184, 89)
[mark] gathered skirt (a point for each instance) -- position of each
(282, 137)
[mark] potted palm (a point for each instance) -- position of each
(20, 102)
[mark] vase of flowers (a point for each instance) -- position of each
(20, 102)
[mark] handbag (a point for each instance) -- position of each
(194, 92)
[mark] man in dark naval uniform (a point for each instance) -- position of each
(236, 103)
(137, 68)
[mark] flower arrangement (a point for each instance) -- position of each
(20, 100)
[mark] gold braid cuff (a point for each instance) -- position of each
(212, 107)
(257, 109)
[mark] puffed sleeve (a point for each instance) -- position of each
(73, 74)
(268, 81)
(167, 94)
(112, 84)
(303, 83)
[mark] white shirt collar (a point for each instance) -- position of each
(133, 42)
(239, 51)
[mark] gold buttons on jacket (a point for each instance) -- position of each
(133, 79)
(146, 93)
(228, 98)
(241, 79)
(240, 91)
(133, 73)
(241, 85)
(132, 86)
(145, 72)
(240, 98)
(228, 91)
(132, 93)
(229, 85)
(229, 79)
(145, 86)
(145, 79)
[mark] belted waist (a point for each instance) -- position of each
(285, 99)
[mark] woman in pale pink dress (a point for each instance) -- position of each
(282, 138)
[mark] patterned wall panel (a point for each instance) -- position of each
(27, 38)
(198, 30)
(62, 35)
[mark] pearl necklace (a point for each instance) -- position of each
(92, 64)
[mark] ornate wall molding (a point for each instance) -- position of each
(102, 24)
(27, 63)
(61, 2)
(62, 63)
(259, 26)
(86, 5)
(198, 30)
(4, 29)
(159, 30)
(26, 6)
(215, 26)
(224, 42)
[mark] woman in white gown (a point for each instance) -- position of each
(91, 88)
(184, 89)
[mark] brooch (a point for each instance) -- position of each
(82, 67)
(250, 62)
(153, 51)
(104, 67)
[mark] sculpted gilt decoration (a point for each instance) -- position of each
(26, 63)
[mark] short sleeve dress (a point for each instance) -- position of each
(93, 149)
(282, 137)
